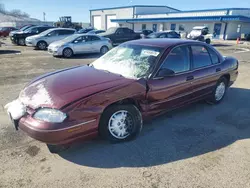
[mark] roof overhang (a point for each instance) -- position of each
(186, 19)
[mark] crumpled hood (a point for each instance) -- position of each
(60, 88)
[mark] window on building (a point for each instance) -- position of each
(143, 26)
(178, 60)
(201, 57)
(173, 27)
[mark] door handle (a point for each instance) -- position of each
(218, 69)
(190, 78)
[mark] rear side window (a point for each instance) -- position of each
(178, 60)
(214, 56)
(201, 57)
(66, 32)
(94, 38)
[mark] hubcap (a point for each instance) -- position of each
(42, 45)
(104, 50)
(21, 42)
(120, 124)
(67, 53)
(220, 91)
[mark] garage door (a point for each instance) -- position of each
(97, 22)
(109, 23)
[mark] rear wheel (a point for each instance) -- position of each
(21, 42)
(104, 50)
(219, 91)
(208, 41)
(42, 45)
(120, 123)
(67, 52)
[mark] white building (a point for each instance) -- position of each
(222, 23)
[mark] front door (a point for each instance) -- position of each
(82, 45)
(166, 93)
(217, 30)
(154, 27)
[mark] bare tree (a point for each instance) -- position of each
(2, 8)
(14, 12)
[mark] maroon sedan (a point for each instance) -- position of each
(5, 31)
(112, 96)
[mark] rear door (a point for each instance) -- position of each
(170, 92)
(96, 43)
(206, 70)
(119, 36)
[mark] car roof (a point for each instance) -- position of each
(163, 43)
(60, 28)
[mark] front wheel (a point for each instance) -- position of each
(67, 53)
(21, 42)
(42, 45)
(219, 91)
(120, 123)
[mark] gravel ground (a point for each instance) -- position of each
(199, 146)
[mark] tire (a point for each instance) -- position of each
(219, 91)
(21, 42)
(120, 123)
(208, 41)
(56, 148)
(42, 45)
(67, 53)
(104, 50)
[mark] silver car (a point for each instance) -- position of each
(80, 44)
(42, 40)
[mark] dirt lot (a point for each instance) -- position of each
(199, 146)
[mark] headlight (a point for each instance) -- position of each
(50, 115)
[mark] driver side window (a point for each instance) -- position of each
(53, 33)
(178, 60)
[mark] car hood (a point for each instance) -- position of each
(33, 37)
(58, 43)
(57, 89)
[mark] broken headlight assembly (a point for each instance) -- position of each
(50, 115)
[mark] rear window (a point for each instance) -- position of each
(201, 57)
(214, 56)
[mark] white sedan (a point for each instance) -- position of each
(80, 44)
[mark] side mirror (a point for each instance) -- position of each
(76, 41)
(165, 73)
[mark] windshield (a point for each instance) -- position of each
(153, 35)
(71, 38)
(46, 32)
(111, 30)
(132, 61)
(25, 27)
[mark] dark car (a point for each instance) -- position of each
(21, 30)
(85, 30)
(112, 96)
(19, 38)
(164, 34)
(5, 31)
(119, 35)
(144, 32)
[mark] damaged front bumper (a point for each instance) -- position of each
(50, 133)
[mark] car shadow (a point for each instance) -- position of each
(86, 56)
(2, 52)
(221, 45)
(188, 132)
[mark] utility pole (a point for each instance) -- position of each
(44, 14)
